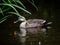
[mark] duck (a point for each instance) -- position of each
(31, 25)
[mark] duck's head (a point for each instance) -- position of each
(22, 19)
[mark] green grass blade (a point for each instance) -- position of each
(14, 2)
(17, 14)
(18, 1)
(4, 18)
(4, 1)
(9, 1)
(6, 9)
(1, 11)
(21, 8)
(10, 6)
(33, 4)
(14, 13)
(33, 1)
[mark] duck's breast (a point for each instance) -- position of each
(23, 25)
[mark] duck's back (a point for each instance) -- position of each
(35, 23)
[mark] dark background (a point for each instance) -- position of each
(53, 9)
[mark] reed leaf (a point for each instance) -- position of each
(4, 1)
(21, 8)
(1, 11)
(9, 1)
(33, 4)
(17, 14)
(6, 9)
(18, 1)
(33, 1)
(4, 18)
(10, 6)
(14, 13)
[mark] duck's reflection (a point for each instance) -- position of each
(27, 33)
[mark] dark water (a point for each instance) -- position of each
(7, 28)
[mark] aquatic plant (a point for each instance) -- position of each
(13, 4)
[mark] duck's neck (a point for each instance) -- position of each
(23, 24)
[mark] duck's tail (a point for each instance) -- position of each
(47, 25)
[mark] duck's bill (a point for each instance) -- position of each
(16, 21)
